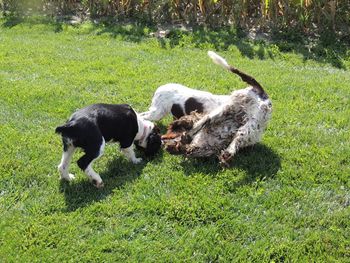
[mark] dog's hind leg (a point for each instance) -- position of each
(93, 176)
(63, 167)
(92, 153)
(245, 136)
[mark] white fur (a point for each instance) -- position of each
(63, 167)
(130, 154)
(145, 127)
(169, 94)
(228, 123)
(215, 128)
(218, 60)
(93, 176)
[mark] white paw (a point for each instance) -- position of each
(68, 177)
(137, 160)
(97, 184)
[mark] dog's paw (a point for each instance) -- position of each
(68, 177)
(137, 160)
(97, 184)
(225, 158)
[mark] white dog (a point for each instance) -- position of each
(238, 121)
(180, 100)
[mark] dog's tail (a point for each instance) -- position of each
(67, 130)
(246, 78)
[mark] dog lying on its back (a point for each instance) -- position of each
(238, 122)
(92, 126)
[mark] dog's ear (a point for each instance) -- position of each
(156, 129)
(154, 143)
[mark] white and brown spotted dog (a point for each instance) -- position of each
(237, 121)
(180, 100)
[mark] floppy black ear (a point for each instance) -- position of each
(154, 142)
(156, 129)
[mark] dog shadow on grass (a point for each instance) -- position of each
(259, 163)
(118, 172)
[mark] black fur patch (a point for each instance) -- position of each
(154, 142)
(89, 126)
(65, 144)
(176, 111)
(193, 105)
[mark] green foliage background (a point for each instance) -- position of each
(303, 16)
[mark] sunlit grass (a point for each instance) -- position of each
(286, 199)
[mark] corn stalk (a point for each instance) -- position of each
(300, 14)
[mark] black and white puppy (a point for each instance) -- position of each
(180, 100)
(91, 127)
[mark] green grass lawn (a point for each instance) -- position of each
(285, 199)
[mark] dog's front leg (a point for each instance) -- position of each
(154, 114)
(130, 154)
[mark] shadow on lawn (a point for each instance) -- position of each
(118, 173)
(259, 162)
(322, 50)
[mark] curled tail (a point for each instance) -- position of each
(246, 78)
